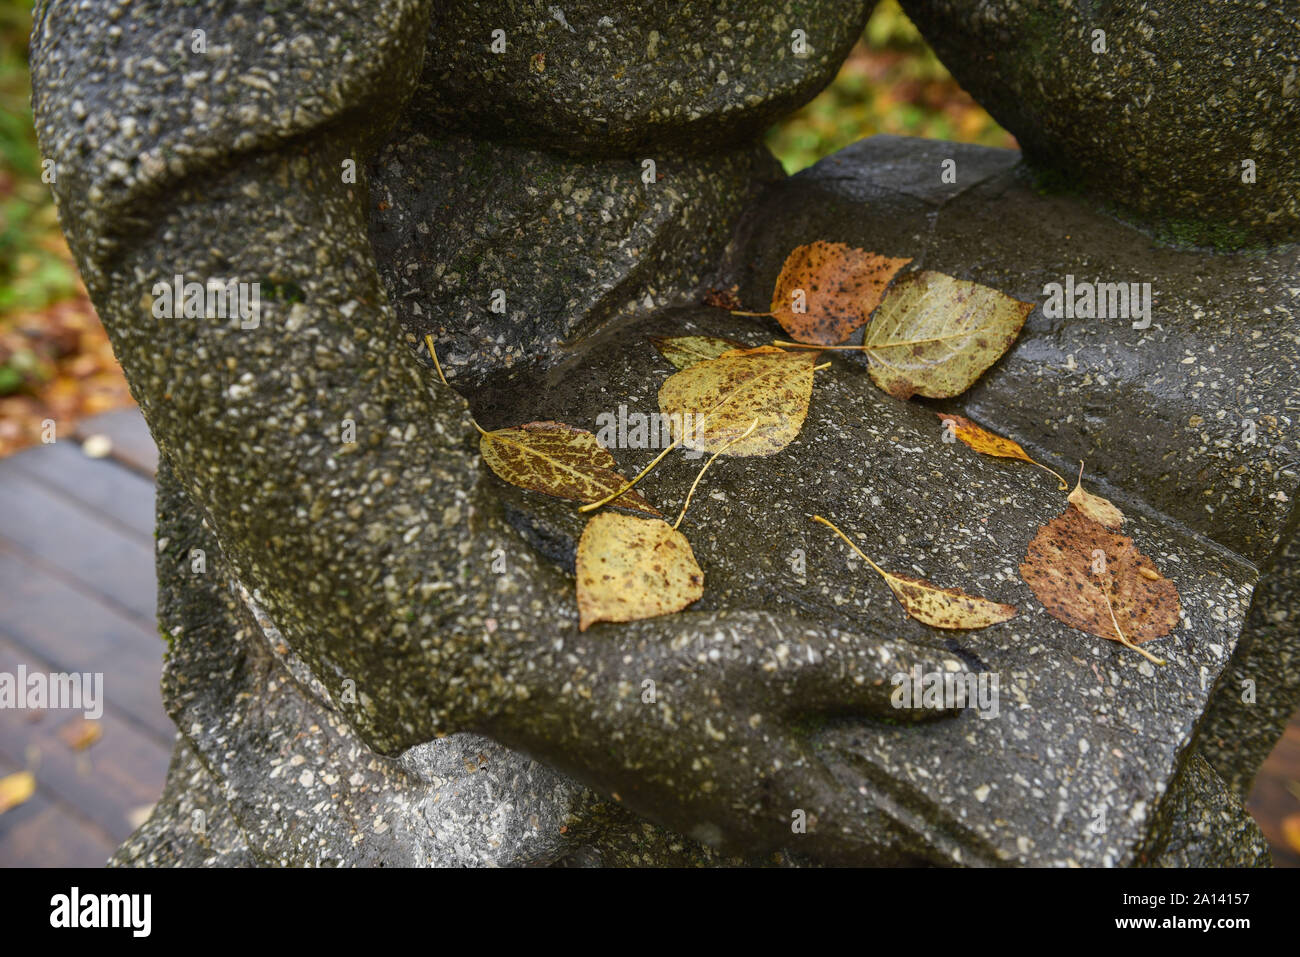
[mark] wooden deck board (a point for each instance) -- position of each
(117, 495)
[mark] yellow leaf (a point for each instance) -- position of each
(685, 351)
(931, 604)
(632, 568)
(934, 335)
(15, 789)
(717, 401)
(990, 443)
(560, 460)
(1098, 509)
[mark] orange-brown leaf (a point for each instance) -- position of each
(1062, 566)
(982, 440)
(841, 287)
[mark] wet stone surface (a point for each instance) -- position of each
(1154, 107)
(595, 77)
(1191, 419)
(1085, 731)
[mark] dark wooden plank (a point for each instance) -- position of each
(126, 429)
(41, 833)
(107, 782)
(101, 486)
(102, 558)
(49, 619)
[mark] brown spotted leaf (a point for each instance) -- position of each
(989, 443)
(841, 285)
(718, 400)
(560, 460)
(934, 335)
(632, 568)
(685, 351)
(1081, 571)
(931, 604)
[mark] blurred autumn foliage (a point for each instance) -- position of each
(891, 83)
(56, 363)
(55, 360)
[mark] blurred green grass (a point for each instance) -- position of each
(891, 83)
(34, 270)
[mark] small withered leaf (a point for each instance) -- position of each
(721, 298)
(1099, 509)
(990, 443)
(932, 604)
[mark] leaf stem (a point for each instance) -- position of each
(609, 498)
(1064, 484)
(752, 426)
(428, 341)
(1124, 641)
(880, 571)
(737, 312)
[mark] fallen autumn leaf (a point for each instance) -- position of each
(1096, 580)
(840, 286)
(722, 397)
(632, 568)
(929, 603)
(560, 460)
(934, 335)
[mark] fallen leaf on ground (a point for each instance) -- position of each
(934, 335)
(1099, 509)
(841, 285)
(80, 733)
(1061, 567)
(560, 460)
(15, 789)
(931, 604)
(1291, 831)
(724, 396)
(685, 351)
(632, 568)
(990, 443)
